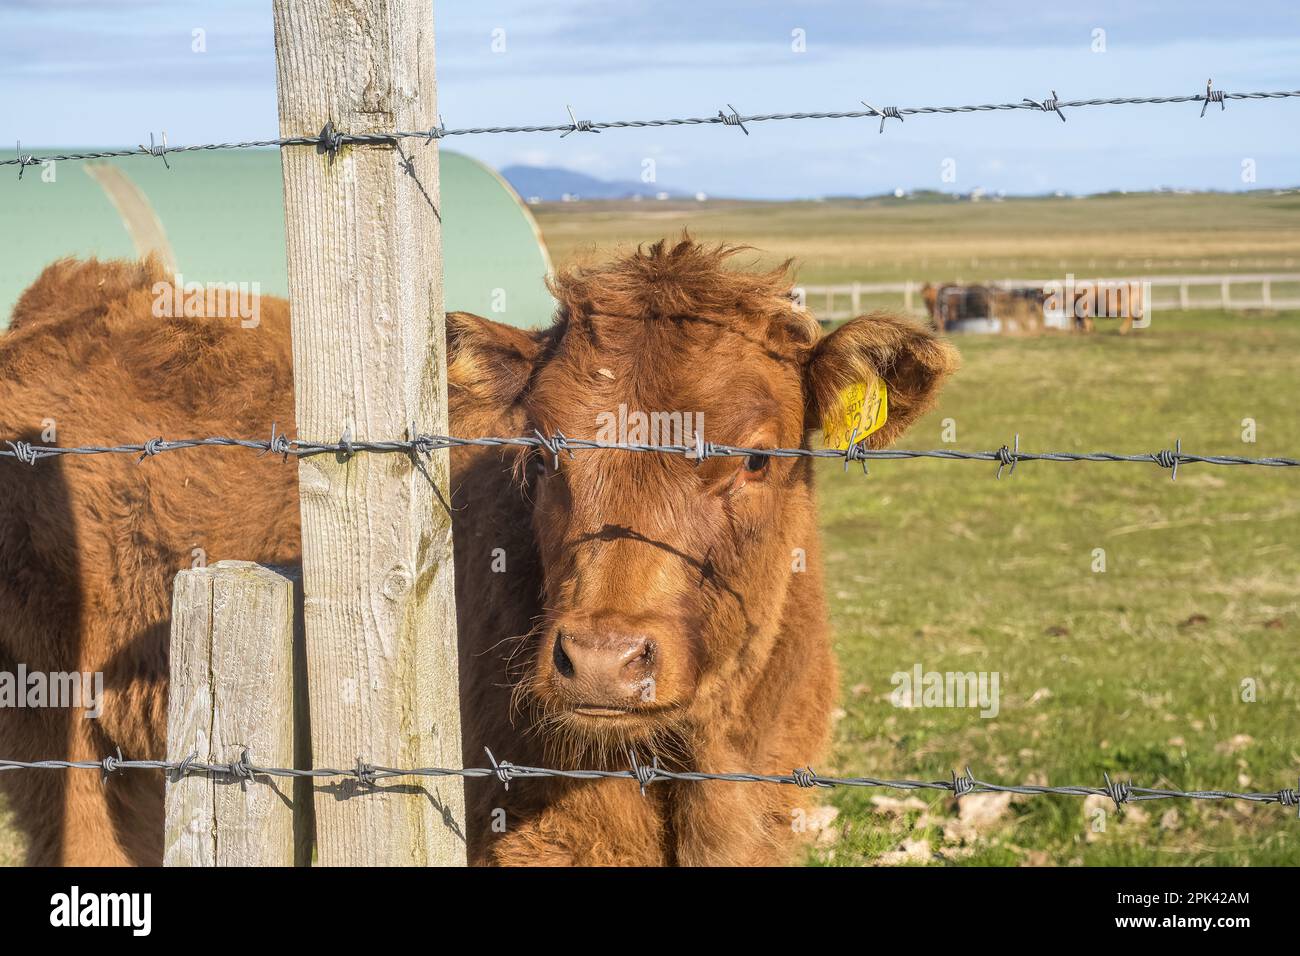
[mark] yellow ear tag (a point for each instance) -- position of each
(862, 407)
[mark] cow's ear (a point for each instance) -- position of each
(488, 362)
(912, 361)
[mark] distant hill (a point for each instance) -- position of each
(553, 184)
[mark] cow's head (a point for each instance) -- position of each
(665, 578)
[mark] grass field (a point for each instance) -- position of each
(1136, 671)
(884, 240)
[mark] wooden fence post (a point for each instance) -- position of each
(365, 288)
(232, 688)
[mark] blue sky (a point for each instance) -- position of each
(88, 72)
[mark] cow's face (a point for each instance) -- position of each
(665, 577)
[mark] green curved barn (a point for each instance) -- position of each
(222, 215)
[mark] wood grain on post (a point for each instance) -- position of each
(232, 688)
(365, 287)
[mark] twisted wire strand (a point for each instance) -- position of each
(558, 445)
(331, 141)
(244, 771)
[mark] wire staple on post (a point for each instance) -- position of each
(329, 141)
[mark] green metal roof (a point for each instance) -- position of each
(223, 213)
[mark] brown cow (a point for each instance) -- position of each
(648, 602)
(1123, 300)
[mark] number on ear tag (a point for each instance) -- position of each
(863, 408)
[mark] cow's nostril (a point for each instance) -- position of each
(561, 660)
(648, 654)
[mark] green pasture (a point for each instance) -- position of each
(1137, 671)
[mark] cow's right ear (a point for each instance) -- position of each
(488, 362)
(911, 361)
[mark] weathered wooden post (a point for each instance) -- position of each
(232, 689)
(365, 287)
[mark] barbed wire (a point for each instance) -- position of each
(558, 444)
(330, 140)
(245, 771)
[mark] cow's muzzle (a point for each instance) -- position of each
(603, 672)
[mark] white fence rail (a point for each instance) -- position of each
(844, 301)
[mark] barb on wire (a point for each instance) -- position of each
(1212, 96)
(436, 132)
(644, 775)
(733, 119)
(576, 125)
(1008, 456)
(1049, 105)
(157, 149)
(559, 445)
(329, 140)
(23, 159)
(889, 112)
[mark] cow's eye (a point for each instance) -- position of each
(752, 469)
(536, 465)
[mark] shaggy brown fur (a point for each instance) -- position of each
(697, 555)
(89, 547)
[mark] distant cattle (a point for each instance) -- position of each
(990, 308)
(609, 603)
(1013, 310)
(1081, 303)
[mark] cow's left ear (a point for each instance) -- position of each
(912, 361)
